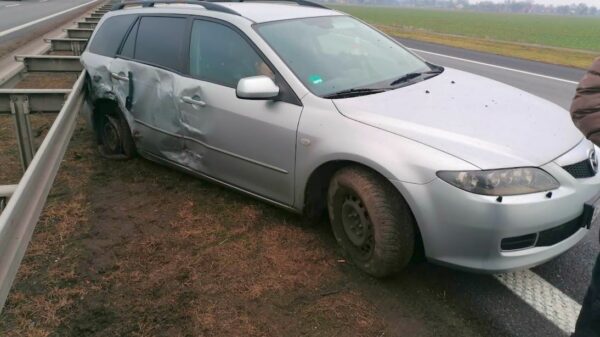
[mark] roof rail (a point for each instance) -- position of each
(299, 2)
(208, 5)
(211, 5)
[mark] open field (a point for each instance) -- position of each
(571, 41)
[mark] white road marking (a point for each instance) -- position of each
(13, 5)
(14, 29)
(43, 0)
(495, 66)
(552, 303)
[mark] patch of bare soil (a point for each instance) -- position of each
(48, 80)
(130, 248)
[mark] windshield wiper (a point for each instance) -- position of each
(354, 92)
(406, 78)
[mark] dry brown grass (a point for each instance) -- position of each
(46, 80)
(130, 248)
(10, 165)
(566, 57)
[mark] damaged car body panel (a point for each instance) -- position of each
(312, 110)
(156, 120)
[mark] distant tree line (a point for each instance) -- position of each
(508, 6)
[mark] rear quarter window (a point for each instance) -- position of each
(108, 38)
(160, 41)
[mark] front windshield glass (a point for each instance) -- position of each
(337, 53)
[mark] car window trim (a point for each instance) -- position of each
(129, 31)
(288, 95)
(185, 48)
(113, 55)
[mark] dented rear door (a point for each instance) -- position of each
(143, 79)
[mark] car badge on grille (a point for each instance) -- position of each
(593, 158)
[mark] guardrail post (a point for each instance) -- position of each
(19, 107)
(5, 192)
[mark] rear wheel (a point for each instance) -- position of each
(113, 135)
(371, 221)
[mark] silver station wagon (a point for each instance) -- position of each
(315, 111)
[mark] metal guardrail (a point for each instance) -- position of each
(85, 24)
(25, 203)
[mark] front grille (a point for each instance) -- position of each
(583, 169)
(545, 238)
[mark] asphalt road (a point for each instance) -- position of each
(17, 13)
(482, 296)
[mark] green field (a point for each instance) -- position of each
(547, 30)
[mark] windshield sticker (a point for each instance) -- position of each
(315, 79)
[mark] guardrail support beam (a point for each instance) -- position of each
(19, 107)
(40, 100)
(79, 33)
(50, 63)
(85, 24)
(5, 192)
(73, 45)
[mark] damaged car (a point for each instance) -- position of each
(314, 111)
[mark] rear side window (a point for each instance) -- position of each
(160, 41)
(110, 34)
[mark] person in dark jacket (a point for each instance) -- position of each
(585, 112)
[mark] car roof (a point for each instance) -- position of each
(257, 12)
(265, 12)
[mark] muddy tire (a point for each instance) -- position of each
(371, 221)
(114, 136)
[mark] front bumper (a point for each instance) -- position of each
(465, 230)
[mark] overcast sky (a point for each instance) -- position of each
(558, 2)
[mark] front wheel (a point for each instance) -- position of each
(371, 221)
(114, 136)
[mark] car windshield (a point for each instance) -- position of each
(339, 54)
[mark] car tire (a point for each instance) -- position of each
(371, 221)
(114, 136)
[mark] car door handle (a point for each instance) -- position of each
(195, 100)
(119, 77)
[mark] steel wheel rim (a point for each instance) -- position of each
(357, 226)
(110, 135)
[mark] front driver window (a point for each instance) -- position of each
(220, 55)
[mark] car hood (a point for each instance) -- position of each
(484, 122)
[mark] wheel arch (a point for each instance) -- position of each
(314, 202)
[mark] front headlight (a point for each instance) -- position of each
(501, 182)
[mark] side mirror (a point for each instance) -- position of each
(257, 87)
